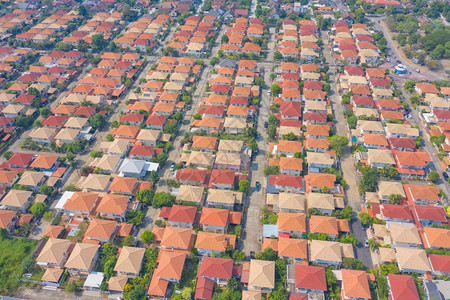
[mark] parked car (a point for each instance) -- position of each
(266, 124)
(172, 166)
(257, 186)
(252, 254)
(366, 242)
(445, 175)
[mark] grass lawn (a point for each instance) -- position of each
(12, 253)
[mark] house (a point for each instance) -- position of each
(324, 225)
(230, 161)
(436, 238)
(309, 279)
(124, 185)
(289, 148)
(42, 135)
(204, 143)
(54, 253)
(7, 220)
(222, 179)
(135, 168)
(32, 180)
(17, 200)
(177, 238)
(170, 268)
(412, 260)
(319, 161)
(402, 287)
(116, 284)
(8, 178)
(429, 215)
(149, 137)
(208, 243)
(380, 158)
(216, 269)
(95, 183)
(404, 235)
(325, 252)
(113, 206)
(190, 194)
(52, 277)
(130, 261)
(355, 284)
(440, 264)
(214, 219)
(191, 176)
(396, 213)
(182, 216)
(108, 163)
(291, 249)
(324, 203)
(293, 224)
(223, 198)
(101, 230)
(231, 146)
(375, 141)
(82, 259)
(293, 203)
(78, 203)
(317, 182)
(281, 183)
(45, 163)
(422, 194)
(261, 276)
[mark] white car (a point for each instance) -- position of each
(268, 92)
(366, 242)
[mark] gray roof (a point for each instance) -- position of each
(269, 230)
(229, 63)
(437, 289)
(132, 166)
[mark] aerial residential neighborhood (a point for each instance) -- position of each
(225, 149)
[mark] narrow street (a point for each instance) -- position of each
(347, 162)
(255, 201)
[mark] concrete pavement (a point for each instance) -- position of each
(347, 162)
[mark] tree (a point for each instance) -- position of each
(275, 89)
(135, 217)
(145, 196)
(359, 15)
(277, 55)
(370, 179)
(82, 10)
(337, 142)
(137, 292)
(147, 237)
(395, 198)
(352, 263)
(128, 240)
(267, 254)
(71, 287)
(259, 81)
(8, 154)
(214, 61)
(365, 219)
(97, 121)
(271, 170)
(290, 136)
(163, 199)
(244, 185)
(98, 42)
(438, 52)
(45, 189)
(433, 176)
(38, 209)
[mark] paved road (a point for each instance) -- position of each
(347, 163)
(425, 73)
(255, 202)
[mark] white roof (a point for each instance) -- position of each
(94, 280)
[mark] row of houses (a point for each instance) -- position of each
(353, 45)
(240, 35)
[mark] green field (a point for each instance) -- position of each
(13, 254)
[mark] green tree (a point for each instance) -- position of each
(135, 217)
(145, 196)
(128, 240)
(147, 237)
(275, 89)
(45, 189)
(365, 219)
(8, 154)
(337, 142)
(359, 15)
(259, 81)
(214, 61)
(267, 254)
(433, 176)
(163, 199)
(97, 121)
(244, 185)
(352, 263)
(370, 179)
(98, 42)
(395, 198)
(38, 209)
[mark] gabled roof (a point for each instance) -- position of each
(430, 213)
(310, 277)
(403, 287)
(440, 263)
(437, 237)
(44, 161)
(214, 267)
(355, 284)
(394, 211)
